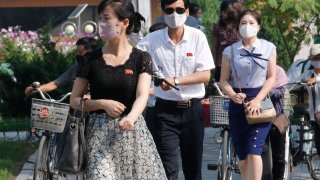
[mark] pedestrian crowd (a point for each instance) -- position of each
(145, 104)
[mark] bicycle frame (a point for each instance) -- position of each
(304, 152)
(45, 162)
(227, 162)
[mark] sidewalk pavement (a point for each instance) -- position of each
(210, 155)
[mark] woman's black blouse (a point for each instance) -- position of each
(117, 83)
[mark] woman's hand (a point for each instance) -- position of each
(253, 107)
(126, 124)
(113, 108)
(238, 98)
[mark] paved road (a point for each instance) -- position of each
(209, 156)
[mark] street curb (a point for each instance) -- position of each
(27, 169)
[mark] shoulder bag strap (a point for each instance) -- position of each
(82, 140)
(234, 69)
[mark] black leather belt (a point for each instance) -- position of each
(177, 104)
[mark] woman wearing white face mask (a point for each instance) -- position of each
(119, 143)
(247, 75)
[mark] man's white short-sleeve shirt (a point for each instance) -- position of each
(192, 54)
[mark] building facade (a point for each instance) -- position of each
(34, 14)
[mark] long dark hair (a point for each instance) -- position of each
(124, 10)
(224, 7)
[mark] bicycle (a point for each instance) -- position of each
(303, 144)
(49, 115)
(227, 161)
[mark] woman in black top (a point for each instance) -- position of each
(119, 143)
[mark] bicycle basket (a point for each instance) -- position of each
(49, 115)
(219, 110)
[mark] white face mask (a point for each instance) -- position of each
(175, 20)
(248, 31)
(315, 64)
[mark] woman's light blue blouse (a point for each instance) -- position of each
(251, 65)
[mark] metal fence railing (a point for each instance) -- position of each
(17, 129)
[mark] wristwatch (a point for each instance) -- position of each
(176, 81)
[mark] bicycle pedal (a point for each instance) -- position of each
(213, 166)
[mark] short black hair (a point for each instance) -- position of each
(168, 2)
(157, 26)
(193, 8)
(89, 43)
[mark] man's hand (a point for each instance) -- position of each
(311, 81)
(164, 86)
(29, 90)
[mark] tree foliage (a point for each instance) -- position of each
(43, 63)
(287, 24)
(210, 13)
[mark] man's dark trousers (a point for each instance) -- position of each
(182, 127)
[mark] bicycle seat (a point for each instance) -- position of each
(301, 109)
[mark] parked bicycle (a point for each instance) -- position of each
(303, 144)
(49, 115)
(227, 161)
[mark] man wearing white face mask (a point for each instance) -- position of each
(190, 21)
(182, 56)
(313, 80)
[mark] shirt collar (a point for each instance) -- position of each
(185, 37)
(255, 44)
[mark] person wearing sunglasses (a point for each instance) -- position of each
(190, 21)
(181, 55)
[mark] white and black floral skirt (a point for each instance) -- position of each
(114, 154)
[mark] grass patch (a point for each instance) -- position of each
(13, 155)
(14, 124)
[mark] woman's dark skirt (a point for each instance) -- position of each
(247, 138)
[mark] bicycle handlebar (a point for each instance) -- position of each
(297, 82)
(36, 85)
(215, 84)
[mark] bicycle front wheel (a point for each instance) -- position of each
(231, 160)
(313, 162)
(288, 157)
(41, 170)
(222, 172)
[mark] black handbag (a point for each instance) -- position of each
(71, 155)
